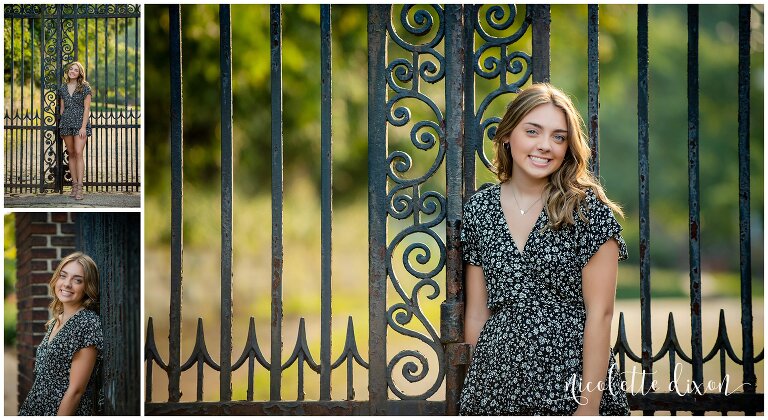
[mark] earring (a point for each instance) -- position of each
(506, 146)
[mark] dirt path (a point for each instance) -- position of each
(11, 381)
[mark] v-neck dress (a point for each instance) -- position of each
(53, 361)
(529, 354)
(74, 108)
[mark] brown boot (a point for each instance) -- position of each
(79, 193)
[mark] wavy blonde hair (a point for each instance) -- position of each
(80, 78)
(90, 277)
(567, 187)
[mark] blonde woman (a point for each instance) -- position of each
(541, 251)
(67, 359)
(74, 126)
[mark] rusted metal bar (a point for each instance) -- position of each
(471, 137)
(452, 309)
(294, 408)
(177, 217)
(378, 17)
(276, 319)
(326, 192)
(593, 85)
(225, 55)
(540, 42)
(745, 241)
(643, 169)
(694, 224)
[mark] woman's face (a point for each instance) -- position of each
(73, 72)
(70, 286)
(539, 142)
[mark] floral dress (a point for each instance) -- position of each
(528, 357)
(74, 108)
(53, 361)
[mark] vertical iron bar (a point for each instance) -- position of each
(593, 76)
(326, 192)
(225, 55)
(116, 114)
(643, 169)
(745, 241)
(177, 184)
(694, 225)
(378, 16)
(32, 159)
(540, 42)
(452, 310)
(276, 57)
(41, 116)
(471, 138)
(124, 112)
(136, 101)
(14, 166)
(93, 102)
(59, 76)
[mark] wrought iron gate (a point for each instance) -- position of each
(431, 45)
(40, 41)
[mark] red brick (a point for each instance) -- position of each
(60, 217)
(38, 240)
(43, 253)
(42, 229)
(39, 265)
(68, 229)
(38, 217)
(67, 241)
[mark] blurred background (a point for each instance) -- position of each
(718, 49)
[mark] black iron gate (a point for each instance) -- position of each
(409, 49)
(39, 41)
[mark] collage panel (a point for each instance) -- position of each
(72, 106)
(72, 342)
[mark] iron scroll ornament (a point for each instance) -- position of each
(424, 27)
(511, 67)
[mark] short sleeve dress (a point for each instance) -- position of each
(528, 357)
(74, 107)
(53, 361)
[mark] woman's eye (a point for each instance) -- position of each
(560, 138)
(531, 132)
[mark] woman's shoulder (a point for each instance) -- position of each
(90, 317)
(593, 207)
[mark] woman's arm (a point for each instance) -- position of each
(86, 114)
(599, 289)
(61, 108)
(476, 311)
(82, 365)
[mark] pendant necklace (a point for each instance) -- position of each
(523, 212)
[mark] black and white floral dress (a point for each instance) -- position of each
(53, 361)
(529, 353)
(74, 108)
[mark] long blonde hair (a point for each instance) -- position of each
(90, 278)
(567, 187)
(80, 78)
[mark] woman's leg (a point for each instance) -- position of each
(79, 147)
(69, 142)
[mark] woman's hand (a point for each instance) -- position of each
(82, 133)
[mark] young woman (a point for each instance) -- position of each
(541, 250)
(67, 359)
(75, 127)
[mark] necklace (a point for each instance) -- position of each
(523, 212)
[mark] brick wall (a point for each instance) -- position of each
(42, 240)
